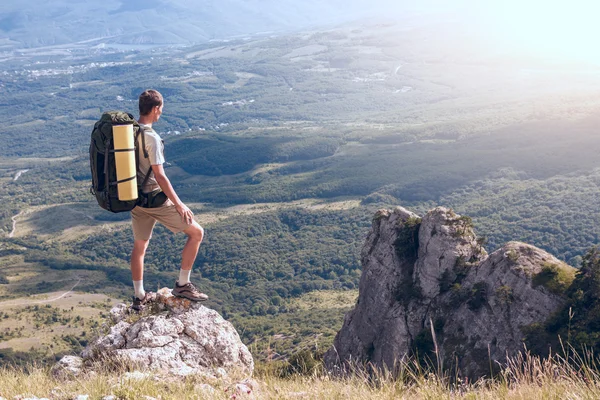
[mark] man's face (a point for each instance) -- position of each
(157, 112)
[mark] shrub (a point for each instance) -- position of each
(512, 255)
(554, 277)
(478, 296)
(304, 362)
(505, 294)
(460, 268)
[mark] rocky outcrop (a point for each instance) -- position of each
(435, 271)
(177, 337)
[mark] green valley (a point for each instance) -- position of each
(285, 147)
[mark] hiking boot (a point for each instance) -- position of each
(188, 291)
(140, 304)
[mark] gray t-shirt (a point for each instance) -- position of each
(155, 149)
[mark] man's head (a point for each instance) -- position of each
(151, 103)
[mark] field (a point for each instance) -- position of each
(48, 313)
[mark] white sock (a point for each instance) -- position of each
(138, 286)
(184, 276)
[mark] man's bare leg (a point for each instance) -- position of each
(183, 287)
(137, 259)
(195, 234)
(137, 266)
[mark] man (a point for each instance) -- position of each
(173, 214)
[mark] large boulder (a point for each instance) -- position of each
(176, 337)
(435, 271)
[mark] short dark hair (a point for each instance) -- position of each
(148, 100)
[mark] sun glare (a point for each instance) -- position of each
(562, 31)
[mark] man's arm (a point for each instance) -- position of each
(187, 215)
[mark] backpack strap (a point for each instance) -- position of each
(123, 180)
(142, 131)
(147, 177)
(106, 146)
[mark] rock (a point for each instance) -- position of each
(22, 397)
(114, 339)
(245, 389)
(205, 388)
(297, 395)
(110, 397)
(68, 367)
(82, 397)
(177, 337)
(242, 388)
(57, 393)
(119, 312)
(435, 270)
(240, 391)
(251, 383)
(136, 376)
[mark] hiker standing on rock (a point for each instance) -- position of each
(160, 203)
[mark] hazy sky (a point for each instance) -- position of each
(556, 29)
(562, 30)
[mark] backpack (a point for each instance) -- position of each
(102, 161)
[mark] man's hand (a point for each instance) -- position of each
(187, 216)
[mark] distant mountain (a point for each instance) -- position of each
(31, 23)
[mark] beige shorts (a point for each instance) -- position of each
(144, 219)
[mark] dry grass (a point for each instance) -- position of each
(525, 377)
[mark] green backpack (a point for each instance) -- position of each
(102, 161)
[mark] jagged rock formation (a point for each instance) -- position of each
(177, 337)
(418, 272)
